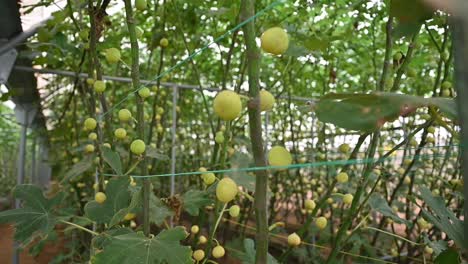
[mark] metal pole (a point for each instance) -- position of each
(43, 170)
(267, 134)
(20, 170)
(173, 146)
(129, 80)
(20, 38)
(96, 183)
(174, 128)
(312, 136)
(22, 153)
(460, 43)
(34, 179)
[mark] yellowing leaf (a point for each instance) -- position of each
(136, 248)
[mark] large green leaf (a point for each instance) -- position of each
(36, 217)
(449, 256)
(155, 154)
(135, 203)
(446, 105)
(296, 50)
(438, 246)
(442, 217)
(313, 42)
(60, 41)
(105, 238)
(221, 12)
(368, 112)
(135, 248)
(316, 43)
(80, 221)
(158, 210)
(195, 200)
(242, 178)
(78, 169)
(113, 159)
(379, 204)
(410, 10)
(410, 15)
(118, 197)
(247, 255)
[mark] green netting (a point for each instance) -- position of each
(292, 166)
(250, 169)
(196, 53)
(337, 152)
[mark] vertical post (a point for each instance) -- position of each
(22, 153)
(405, 135)
(267, 134)
(96, 183)
(173, 147)
(173, 131)
(255, 131)
(147, 188)
(20, 167)
(34, 179)
(312, 136)
(460, 42)
(43, 169)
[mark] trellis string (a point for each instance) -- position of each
(292, 166)
(191, 56)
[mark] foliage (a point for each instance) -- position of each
(379, 204)
(37, 217)
(247, 255)
(369, 112)
(118, 197)
(195, 200)
(136, 248)
(9, 142)
(443, 217)
(393, 101)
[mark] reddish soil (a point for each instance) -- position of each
(6, 244)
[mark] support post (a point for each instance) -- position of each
(34, 179)
(173, 147)
(24, 115)
(21, 154)
(43, 169)
(20, 174)
(267, 132)
(460, 42)
(173, 132)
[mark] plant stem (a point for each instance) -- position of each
(213, 233)
(388, 54)
(140, 111)
(353, 211)
(391, 234)
(322, 202)
(96, 64)
(407, 170)
(460, 40)
(92, 67)
(132, 168)
(255, 125)
(80, 227)
(402, 68)
(218, 220)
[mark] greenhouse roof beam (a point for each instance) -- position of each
(129, 80)
(9, 19)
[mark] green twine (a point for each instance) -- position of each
(261, 12)
(292, 166)
(336, 152)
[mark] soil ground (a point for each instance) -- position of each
(6, 245)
